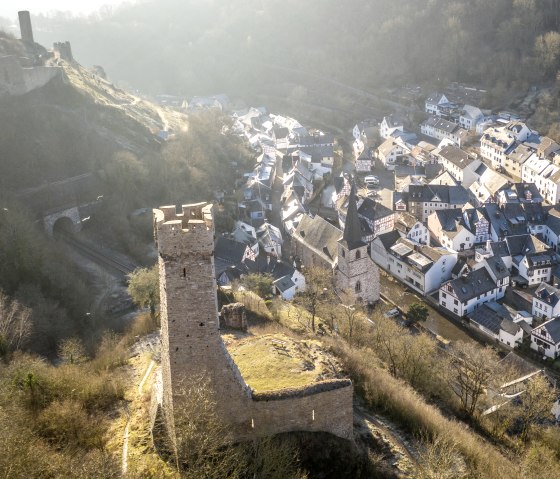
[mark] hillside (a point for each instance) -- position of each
(73, 124)
(248, 47)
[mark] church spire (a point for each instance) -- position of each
(352, 229)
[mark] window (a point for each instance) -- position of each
(455, 302)
(343, 254)
(358, 288)
(443, 295)
(358, 254)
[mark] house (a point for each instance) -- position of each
(485, 189)
(496, 144)
(300, 180)
(289, 285)
(552, 229)
(546, 338)
(270, 239)
(412, 229)
(463, 295)
(532, 259)
(545, 175)
(441, 129)
(423, 200)
(389, 125)
(377, 217)
(497, 321)
(460, 164)
(516, 158)
(448, 228)
(392, 151)
(436, 103)
(470, 117)
(364, 161)
(421, 267)
(361, 126)
(477, 222)
(422, 154)
(546, 302)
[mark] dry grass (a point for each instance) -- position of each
(398, 400)
(273, 362)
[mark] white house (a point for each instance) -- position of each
(421, 267)
(391, 151)
(532, 258)
(496, 321)
(496, 144)
(546, 302)
(435, 103)
(442, 129)
(545, 175)
(552, 229)
(448, 228)
(546, 338)
(289, 285)
(463, 295)
(460, 164)
(413, 229)
(470, 117)
(389, 125)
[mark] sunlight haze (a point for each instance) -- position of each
(9, 9)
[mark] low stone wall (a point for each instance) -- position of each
(233, 316)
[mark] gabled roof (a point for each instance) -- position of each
(456, 156)
(553, 221)
(553, 329)
(547, 294)
(284, 284)
(473, 284)
(497, 266)
(372, 210)
(456, 195)
(494, 316)
(389, 238)
(318, 235)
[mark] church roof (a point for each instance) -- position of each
(352, 235)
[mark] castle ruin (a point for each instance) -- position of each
(25, 27)
(191, 343)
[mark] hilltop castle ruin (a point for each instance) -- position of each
(191, 342)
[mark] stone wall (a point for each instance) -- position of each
(234, 316)
(192, 345)
(16, 80)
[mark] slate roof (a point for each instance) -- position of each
(405, 220)
(449, 220)
(389, 238)
(458, 157)
(494, 316)
(319, 235)
(372, 210)
(285, 283)
(443, 125)
(553, 328)
(553, 221)
(455, 195)
(498, 267)
(229, 250)
(473, 284)
(547, 294)
(352, 236)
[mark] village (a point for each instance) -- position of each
(459, 210)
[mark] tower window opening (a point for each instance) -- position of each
(184, 272)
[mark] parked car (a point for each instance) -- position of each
(392, 313)
(371, 180)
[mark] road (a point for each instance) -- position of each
(436, 322)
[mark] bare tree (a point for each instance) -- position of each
(440, 459)
(318, 291)
(473, 368)
(15, 324)
(536, 404)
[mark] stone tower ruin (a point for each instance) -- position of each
(191, 342)
(25, 27)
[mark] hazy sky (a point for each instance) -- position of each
(10, 8)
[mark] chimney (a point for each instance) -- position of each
(25, 27)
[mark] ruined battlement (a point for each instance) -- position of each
(192, 344)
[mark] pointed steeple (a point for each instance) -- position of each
(352, 229)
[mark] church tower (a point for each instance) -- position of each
(357, 273)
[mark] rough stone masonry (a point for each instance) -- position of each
(191, 342)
